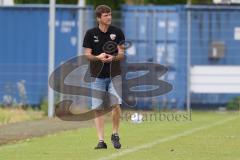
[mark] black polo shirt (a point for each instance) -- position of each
(101, 42)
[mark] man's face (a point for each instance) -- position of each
(106, 18)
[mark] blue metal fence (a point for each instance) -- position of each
(158, 34)
(211, 24)
(24, 47)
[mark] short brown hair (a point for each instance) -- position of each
(102, 9)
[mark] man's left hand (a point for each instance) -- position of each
(109, 58)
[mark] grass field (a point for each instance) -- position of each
(208, 136)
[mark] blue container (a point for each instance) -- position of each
(167, 45)
(24, 47)
(158, 34)
(137, 22)
(214, 24)
(161, 46)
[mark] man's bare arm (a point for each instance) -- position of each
(89, 56)
(120, 55)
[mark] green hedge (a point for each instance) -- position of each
(234, 104)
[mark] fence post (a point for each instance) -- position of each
(51, 56)
(189, 21)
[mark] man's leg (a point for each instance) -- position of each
(116, 115)
(99, 84)
(115, 88)
(99, 123)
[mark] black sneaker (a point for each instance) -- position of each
(101, 145)
(115, 141)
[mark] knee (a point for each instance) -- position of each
(116, 109)
(98, 113)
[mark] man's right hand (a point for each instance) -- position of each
(102, 57)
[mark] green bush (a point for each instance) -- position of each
(44, 106)
(234, 104)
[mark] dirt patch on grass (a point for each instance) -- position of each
(23, 130)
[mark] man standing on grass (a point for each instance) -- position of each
(105, 70)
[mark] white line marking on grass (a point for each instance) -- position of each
(158, 141)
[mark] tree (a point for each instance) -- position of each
(166, 2)
(45, 1)
(116, 4)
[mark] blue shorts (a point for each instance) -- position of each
(112, 85)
